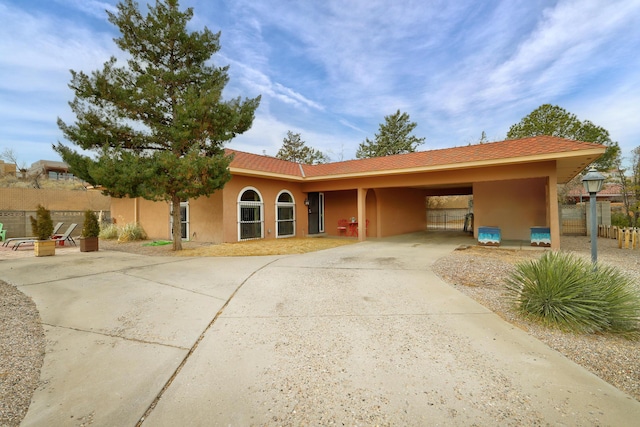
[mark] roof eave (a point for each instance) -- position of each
(263, 174)
(597, 152)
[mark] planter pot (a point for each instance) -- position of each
(44, 247)
(88, 244)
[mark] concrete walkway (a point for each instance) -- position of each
(363, 334)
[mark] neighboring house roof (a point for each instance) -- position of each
(571, 157)
(608, 190)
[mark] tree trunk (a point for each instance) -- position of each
(177, 235)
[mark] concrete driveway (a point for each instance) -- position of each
(363, 334)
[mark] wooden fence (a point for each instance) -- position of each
(628, 237)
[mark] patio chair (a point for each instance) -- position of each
(14, 240)
(342, 226)
(59, 238)
(3, 232)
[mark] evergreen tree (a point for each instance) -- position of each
(394, 137)
(157, 125)
(555, 121)
(294, 149)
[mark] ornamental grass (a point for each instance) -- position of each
(565, 291)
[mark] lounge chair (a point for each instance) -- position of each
(57, 237)
(61, 238)
(16, 239)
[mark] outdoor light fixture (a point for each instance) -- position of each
(306, 202)
(592, 182)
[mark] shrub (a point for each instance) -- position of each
(565, 291)
(109, 232)
(131, 232)
(619, 219)
(42, 224)
(91, 226)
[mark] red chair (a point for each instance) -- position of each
(342, 226)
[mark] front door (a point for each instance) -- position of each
(315, 209)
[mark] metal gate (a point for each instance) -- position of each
(573, 220)
(446, 219)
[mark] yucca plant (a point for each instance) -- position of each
(563, 290)
(622, 301)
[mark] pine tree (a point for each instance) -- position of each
(294, 149)
(394, 137)
(156, 125)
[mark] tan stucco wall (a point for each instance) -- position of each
(401, 210)
(205, 218)
(269, 190)
(153, 216)
(339, 205)
(214, 218)
(515, 206)
(19, 199)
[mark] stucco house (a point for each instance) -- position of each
(513, 184)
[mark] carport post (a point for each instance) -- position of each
(362, 214)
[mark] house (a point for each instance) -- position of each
(7, 168)
(611, 191)
(513, 184)
(50, 169)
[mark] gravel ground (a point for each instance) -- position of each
(21, 353)
(480, 272)
(475, 271)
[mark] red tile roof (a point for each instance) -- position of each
(538, 146)
(271, 165)
(611, 189)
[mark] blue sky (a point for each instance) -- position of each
(332, 69)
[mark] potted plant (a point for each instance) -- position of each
(42, 227)
(90, 232)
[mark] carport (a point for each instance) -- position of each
(513, 184)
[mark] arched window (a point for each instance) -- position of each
(285, 215)
(250, 215)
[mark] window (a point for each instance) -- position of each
(250, 222)
(285, 215)
(184, 220)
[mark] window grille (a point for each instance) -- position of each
(250, 220)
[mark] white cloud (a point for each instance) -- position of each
(332, 70)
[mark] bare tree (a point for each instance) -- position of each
(630, 188)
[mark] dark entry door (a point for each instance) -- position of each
(314, 213)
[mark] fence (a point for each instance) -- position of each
(628, 237)
(446, 219)
(574, 219)
(18, 224)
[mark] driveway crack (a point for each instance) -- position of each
(193, 348)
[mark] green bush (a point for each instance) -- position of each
(42, 224)
(619, 219)
(109, 232)
(565, 291)
(91, 227)
(131, 232)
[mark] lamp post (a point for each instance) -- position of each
(592, 182)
